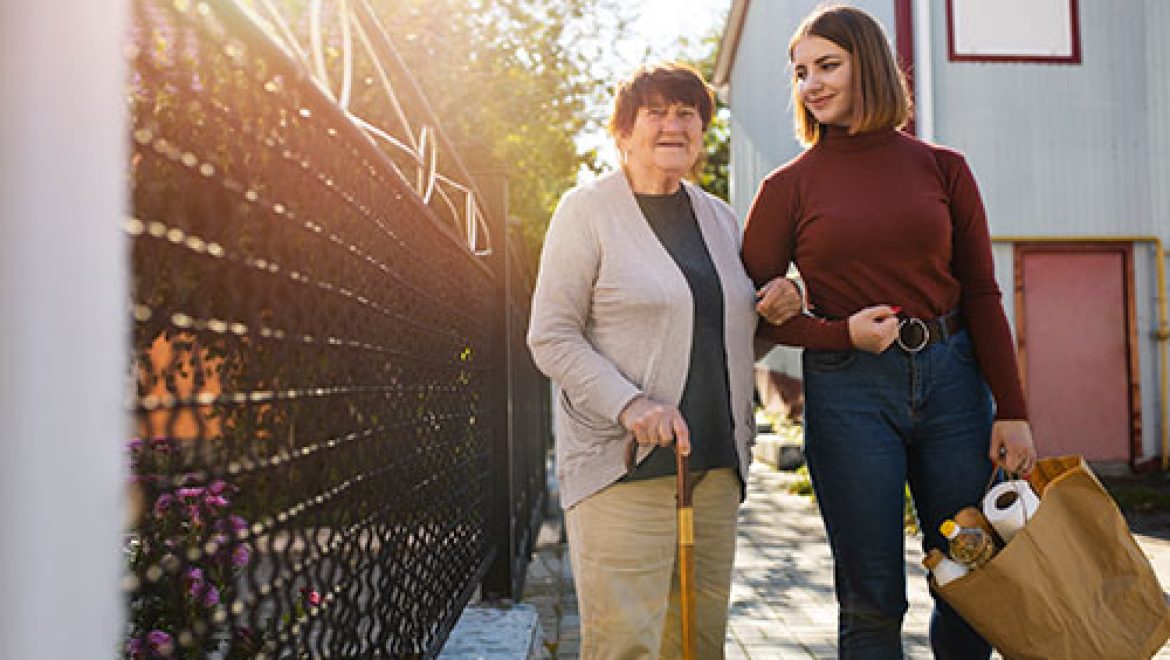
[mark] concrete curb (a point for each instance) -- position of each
(487, 631)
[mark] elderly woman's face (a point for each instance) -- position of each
(665, 141)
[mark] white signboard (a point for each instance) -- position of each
(1013, 30)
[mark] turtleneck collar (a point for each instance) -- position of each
(837, 138)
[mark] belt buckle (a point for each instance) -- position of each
(913, 322)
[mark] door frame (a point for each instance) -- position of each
(1133, 372)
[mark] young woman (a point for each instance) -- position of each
(643, 317)
(906, 343)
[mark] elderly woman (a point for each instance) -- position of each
(643, 318)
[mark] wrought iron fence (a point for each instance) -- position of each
(338, 432)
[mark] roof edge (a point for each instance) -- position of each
(729, 44)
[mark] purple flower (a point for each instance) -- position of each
(195, 582)
(136, 648)
(211, 596)
(217, 487)
(163, 503)
(214, 501)
(190, 493)
(240, 556)
(134, 445)
(160, 642)
(194, 515)
(237, 524)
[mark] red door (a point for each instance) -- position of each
(1074, 318)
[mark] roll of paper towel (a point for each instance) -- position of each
(1008, 506)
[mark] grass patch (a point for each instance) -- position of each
(803, 484)
(1140, 498)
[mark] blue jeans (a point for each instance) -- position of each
(873, 424)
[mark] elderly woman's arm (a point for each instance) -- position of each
(560, 311)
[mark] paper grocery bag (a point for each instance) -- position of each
(1071, 584)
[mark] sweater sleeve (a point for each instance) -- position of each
(561, 307)
(981, 300)
(769, 244)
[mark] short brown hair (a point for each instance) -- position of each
(671, 82)
(881, 97)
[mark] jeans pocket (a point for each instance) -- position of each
(827, 361)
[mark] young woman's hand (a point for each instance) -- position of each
(873, 329)
(1011, 446)
(654, 423)
(779, 300)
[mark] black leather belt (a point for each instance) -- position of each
(916, 334)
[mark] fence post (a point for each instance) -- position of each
(63, 327)
(501, 581)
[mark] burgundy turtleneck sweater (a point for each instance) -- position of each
(883, 217)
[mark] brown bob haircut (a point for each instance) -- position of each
(881, 97)
(661, 83)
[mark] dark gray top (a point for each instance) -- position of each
(706, 400)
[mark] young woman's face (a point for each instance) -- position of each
(824, 78)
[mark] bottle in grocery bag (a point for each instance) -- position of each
(970, 546)
(943, 568)
(970, 516)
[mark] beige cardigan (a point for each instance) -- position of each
(612, 318)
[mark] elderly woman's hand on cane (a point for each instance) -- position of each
(655, 423)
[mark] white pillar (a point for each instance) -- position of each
(923, 69)
(63, 328)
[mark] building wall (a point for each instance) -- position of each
(762, 135)
(1059, 150)
(1157, 127)
(1078, 151)
(1157, 25)
(761, 111)
(1056, 148)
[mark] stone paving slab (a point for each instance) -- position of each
(782, 603)
(487, 632)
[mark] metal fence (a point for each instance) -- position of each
(338, 432)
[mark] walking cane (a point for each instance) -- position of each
(686, 560)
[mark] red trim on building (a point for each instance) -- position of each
(904, 45)
(1073, 58)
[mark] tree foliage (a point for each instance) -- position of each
(519, 79)
(714, 176)
(713, 172)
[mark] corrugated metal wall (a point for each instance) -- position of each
(1157, 24)
(1057, 148)
(1078, 150)
(761, 118)
(761, 110)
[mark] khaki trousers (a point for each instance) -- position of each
(623, 546)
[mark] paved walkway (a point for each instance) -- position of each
(782, 596)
